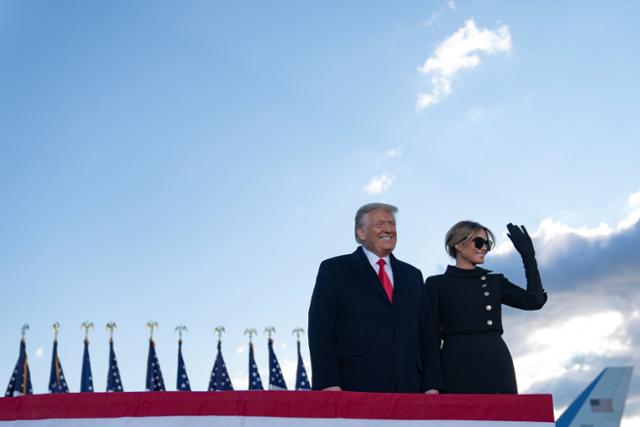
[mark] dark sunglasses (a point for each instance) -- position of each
(479, 242)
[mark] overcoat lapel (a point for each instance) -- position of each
(399, 278)
(362, 266)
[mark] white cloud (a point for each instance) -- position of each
(459, 52)
(433, 19)
(394, 152)
(634, 200)
(39, 352)
(553, 237)
(630, 422)
(596, 334)
(380, 184)
(436, 17)
(241, 349)
(475, 114)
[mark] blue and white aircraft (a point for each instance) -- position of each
(601, 404)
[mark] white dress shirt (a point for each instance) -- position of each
(373, 260)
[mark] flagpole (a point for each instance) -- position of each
(152, 324)
(269, 330)
(111, 326)
(114, 382)
(250, 332)
(302, 381)
(219, 330)
(86, 376)
(24, 330)
(56, 329)
(86, 325)
(297, 332)
(180, 329)
(182, 379)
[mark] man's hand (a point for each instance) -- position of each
(332, 388)
(432, 391)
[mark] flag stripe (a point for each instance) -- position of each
(305, 404)
(236, 421)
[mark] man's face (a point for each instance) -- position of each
(379, 233)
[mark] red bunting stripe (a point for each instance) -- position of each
(287, 404)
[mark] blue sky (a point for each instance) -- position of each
(194, 163)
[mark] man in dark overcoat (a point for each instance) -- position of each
(370, 326)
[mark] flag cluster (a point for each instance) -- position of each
(255, 383)
(276, 380)
(20, 382)
(219, 380)
(57, 383)
(86, 379)
(182, 382)
(155, 382)
(302, 381)
(113, 377)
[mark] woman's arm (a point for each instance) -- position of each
(534, 297)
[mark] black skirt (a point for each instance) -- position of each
(478, 363)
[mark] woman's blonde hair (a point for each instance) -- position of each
(464, 231)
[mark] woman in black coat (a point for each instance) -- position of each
(466, 302)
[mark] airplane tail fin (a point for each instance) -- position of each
(601, 403)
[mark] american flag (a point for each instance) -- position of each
(601, 405)
(219, 380)
(86, 379)
(276, 380)
(20, 382)
(57, 383)
(182, 382)
(302, 381)
(255, 383)
(113, 378)
(154, 374)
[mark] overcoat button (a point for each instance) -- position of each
(486, 293)
(484, 285)
(489, 322)
(483, 277)
(488, 308)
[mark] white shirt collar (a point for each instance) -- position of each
(373, 258)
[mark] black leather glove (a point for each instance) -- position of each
(521, 241)
(524, 245)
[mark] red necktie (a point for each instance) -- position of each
(384, 279)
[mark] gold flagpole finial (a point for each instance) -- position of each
(56, 329)
(24, 329)
(297, 332)
(219, 330)
(86, 325)
(250, 332)
(180, 329)
(152, 324)
(111, 326)
(269, 330)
